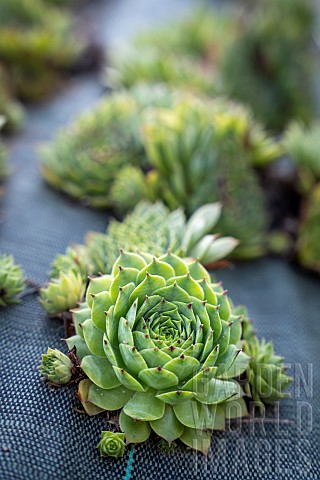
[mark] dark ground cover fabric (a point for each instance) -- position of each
(41, 435)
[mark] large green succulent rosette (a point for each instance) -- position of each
(157, 341)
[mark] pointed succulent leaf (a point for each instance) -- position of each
(200, 223)
(136, 431)
(145, 406)
(81, 347)
(196, 439)
(110, 399)
(100, 371)
(83, 393)
(168, 427)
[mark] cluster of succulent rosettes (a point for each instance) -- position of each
(12, 280)
(257, 68)
(37, 45)
(94, 153)
(266, 374)
(158, 340)
(56, 367)
(217, 157)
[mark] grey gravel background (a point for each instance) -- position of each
(41, 437)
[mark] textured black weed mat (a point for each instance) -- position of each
(42, 435)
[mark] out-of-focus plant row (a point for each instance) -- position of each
(40, 43)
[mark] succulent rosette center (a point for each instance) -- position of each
(157, 339)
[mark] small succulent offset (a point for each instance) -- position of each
(11, 281)
(56, 367)
(267, 378)
(161, 344)
(308, 244)
(62, 293)
(112, 444)
(75, 259)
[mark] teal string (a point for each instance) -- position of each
(129, 465)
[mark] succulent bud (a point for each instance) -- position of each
(56, 367)
(62, 293)
(111, 444)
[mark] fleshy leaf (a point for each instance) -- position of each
(198, 440)
(93, 338)
(83, 392)
(168, 427)
(145, 406)
(111, 399)
(182, 366)
(175, 397)
(135, 431)
(225, 361)
(158, 378)
(238, 367)
(101, 303)
(217, 391)
(128, 380)
(81, 346)
(100, 371)
(193, 414)
(235, 408)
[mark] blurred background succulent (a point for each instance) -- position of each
(151, 66)
(9, 108)
(90, 156)
(302, 144)
(199, 151)
(153, 228)
(12, 280)
(37, 45)
(201, 154)
(3, 163)
(259, 68)
(183, 54)
(308, 241)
